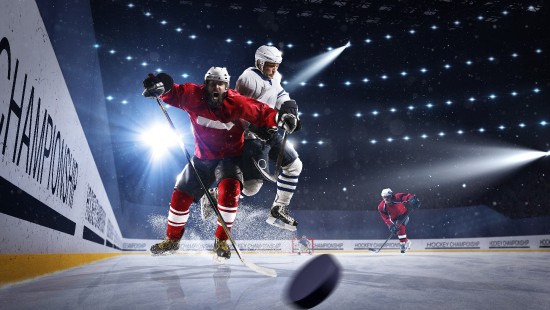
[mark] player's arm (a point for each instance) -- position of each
(282, 97)
(384, 215)
(258, 113)
(409, 199)
(162, 86)
(284, 104)
(246, 85)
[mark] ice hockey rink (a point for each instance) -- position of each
(387, 280)
(75, 72)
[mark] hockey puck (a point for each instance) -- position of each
(314, 282)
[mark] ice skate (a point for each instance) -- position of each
(206, 207)
(165, 247)
(280, 212)
(405, 246)
(221, 251)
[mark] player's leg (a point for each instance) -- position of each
(230, 179)
(287, 181)
(187, 187)
(402, 220)
(254, 150)
(404, 242)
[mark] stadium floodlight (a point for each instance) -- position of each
(313, 66)
(475, 162)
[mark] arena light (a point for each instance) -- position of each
(478, 163)
(314, 65)
(159, 139)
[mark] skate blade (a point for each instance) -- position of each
(206, 214)
(206, 217)
(163, 254)
(273, 222)
(219, 260)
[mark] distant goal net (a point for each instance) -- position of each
(301, 246)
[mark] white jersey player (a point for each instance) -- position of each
(263, 82)
(253, 83)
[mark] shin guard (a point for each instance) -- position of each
(287, 182)
(178, 214)
(228, 202)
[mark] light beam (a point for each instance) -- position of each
(478, 163)
(314, 65)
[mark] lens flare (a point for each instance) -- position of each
(159, 139)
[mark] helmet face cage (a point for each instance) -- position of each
(267, 53)
(217, 74)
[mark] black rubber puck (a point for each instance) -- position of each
(314, 282)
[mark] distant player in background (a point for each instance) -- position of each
(304, 245)
(394, 212)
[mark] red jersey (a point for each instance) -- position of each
(389, 212)
(218, 133)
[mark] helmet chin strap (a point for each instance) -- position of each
(260, 65)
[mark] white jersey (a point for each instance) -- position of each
(252, 83)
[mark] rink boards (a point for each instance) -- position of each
(516, 243)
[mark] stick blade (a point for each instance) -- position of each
(264, 173)
(374, 250)
(259, 269)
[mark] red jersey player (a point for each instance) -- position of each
(395, 214)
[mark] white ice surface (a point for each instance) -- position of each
(417, 280)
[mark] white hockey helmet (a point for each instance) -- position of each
(387, 192)
(217, 74)
(266, 53)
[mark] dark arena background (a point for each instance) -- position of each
(448, 100)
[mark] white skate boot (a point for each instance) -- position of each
(206, 208)
(405, 246)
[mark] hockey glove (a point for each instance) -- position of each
(393, 229)
(291, 107)
(414, 203)
(155, 86)
(288, 122)
(264, 133)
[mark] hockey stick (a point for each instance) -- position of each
(279, 162)
(391, 234)
(383, 244)
(263, 270)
